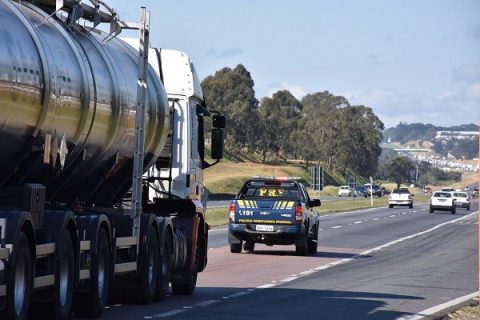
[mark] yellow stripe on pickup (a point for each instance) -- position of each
(290, 204)
(241, 204)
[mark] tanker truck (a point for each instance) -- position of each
(101, 162)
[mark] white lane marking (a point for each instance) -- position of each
(266, 286)
(335, 227)
(288, 279)
(357, 222)
(404, 213)
(414, 211)
(238, 294)
(349, 212)
(206, 303)
(392, 216)
(433, 310)
(169, 313)
(376, 219)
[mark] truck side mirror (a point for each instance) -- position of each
(218, 121)
(217, 143)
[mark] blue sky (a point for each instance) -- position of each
(410, 61)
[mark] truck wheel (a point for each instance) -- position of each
(430, 210)
(410, 206)
(64, 278)
(453, 210)
(390, 206)
(249, 246)
(302, 249)
(468, 208)
(150, 268)
(186, 285)
(312, 247)
(164, 274)
(235, 247)
(91, 304)
(20, 280)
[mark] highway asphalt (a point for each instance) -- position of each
(371, 264)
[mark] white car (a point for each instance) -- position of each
(400, 197)
(442, 200)
(462, 199)
(344, 191)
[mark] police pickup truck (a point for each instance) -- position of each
(273, 210)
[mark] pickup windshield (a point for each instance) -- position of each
(266, 189)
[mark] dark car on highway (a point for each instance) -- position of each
(376, 190)
(361, 191)
(273, 210)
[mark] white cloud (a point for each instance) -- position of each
(224, 53)
(447, 108)
(472, 92)
(297, 91)
(467, 73)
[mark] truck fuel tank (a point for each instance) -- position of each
(68, 106)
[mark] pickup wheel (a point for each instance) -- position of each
(249, 246)
(410, 205)
(430, 210)
(302, 249)
(468, 208)
(390, 206)
(453, 210)
(312, 247)
(235, 247)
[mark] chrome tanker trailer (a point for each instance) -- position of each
(101, 162)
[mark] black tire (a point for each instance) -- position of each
(149, 268)
(410, 206)
(390, 206)
(453, 210)
(64, 279)
(249, 246)
(468, 208)
(235, 247)
(186, 285)
(92, 303)
(430, 210)
(302, 249)
(165, 271)
(19, 280)
(312, 247)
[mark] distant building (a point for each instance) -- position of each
(461, 135)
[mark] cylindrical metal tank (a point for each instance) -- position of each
(64, 90)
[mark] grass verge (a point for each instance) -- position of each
(466, 313)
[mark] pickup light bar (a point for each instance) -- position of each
(277, 178)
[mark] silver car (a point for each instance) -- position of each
(462, 200)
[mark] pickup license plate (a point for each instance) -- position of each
(262, 227)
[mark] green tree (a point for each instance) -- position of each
(231, 93)
(399, 170)
(279, 116)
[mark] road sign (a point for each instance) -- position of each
(316, 173)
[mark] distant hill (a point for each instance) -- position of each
(419, 131)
